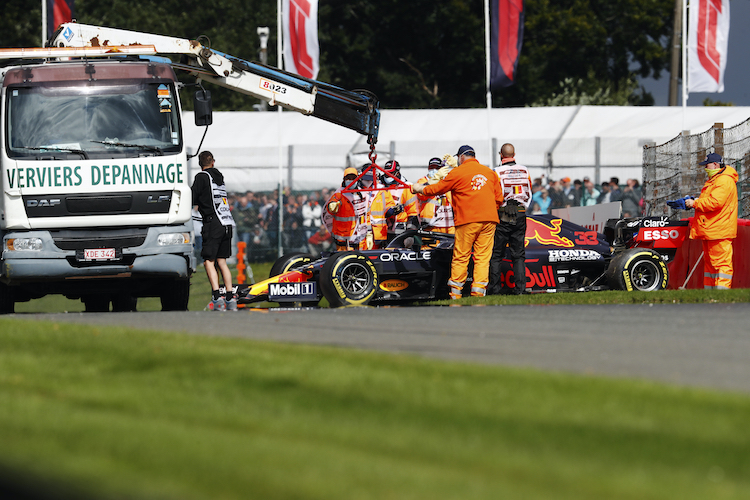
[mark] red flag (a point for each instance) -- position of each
(708, 38)
(58, 12)
(300, 26)
(506, 38)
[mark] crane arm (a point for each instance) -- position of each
(356, 110)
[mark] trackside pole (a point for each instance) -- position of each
(700, 257)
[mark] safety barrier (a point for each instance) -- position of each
(689, 259)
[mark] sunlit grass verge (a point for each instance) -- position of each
(119, 413)
(611, 297)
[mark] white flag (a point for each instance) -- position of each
(300, 25)
(708, 37)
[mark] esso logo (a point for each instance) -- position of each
(663, 234)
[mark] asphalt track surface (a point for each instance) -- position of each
(704, 345)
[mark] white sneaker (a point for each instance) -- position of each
(220, 304)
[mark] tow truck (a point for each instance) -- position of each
(95, 192)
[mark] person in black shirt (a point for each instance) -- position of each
(210, 195)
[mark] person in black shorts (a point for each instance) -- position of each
(210, 195)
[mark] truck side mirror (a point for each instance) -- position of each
(203, 108)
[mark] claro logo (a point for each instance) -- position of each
(42, 202)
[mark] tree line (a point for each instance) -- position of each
(416, 54)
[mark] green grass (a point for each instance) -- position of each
(612, 297)
(200, 296)
(118, 413)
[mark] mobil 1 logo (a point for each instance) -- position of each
(292, 292)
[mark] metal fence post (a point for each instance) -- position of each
(289, 176)
(598, 161)
(718, 139)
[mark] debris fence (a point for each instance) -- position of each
(671, 170)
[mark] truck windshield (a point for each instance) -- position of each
(98, 120)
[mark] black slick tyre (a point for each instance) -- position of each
(638, 269)
(348, 279)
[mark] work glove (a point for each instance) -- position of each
(417, 188)
(394, 211)
(333, 207)
(369, 241)
(450, 161)
(679, 204)
(443, 172)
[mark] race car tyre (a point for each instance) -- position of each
(348, 279)
(638, 269)
(7, 304)
(290, 261)
(176, 296)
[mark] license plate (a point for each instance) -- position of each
(99, 254)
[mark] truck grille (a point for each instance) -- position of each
(104, 238)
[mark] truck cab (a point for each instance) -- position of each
(95, 192)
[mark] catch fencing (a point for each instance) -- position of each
(671, 170)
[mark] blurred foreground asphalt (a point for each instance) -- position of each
(706, 345)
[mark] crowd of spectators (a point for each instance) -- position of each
(257, 214)
(549, 195)
(257, 219)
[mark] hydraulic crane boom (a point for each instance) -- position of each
(356, 110)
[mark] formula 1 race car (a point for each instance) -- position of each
(561, 256)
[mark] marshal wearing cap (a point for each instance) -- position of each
(466, 150)
(712, 158)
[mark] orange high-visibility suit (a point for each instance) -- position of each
(476, 196)
(407, 199)
(381, 202)
(715, 223)
(350, 222)
(436, 212)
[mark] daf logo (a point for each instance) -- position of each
(154, 199)
(53, 202)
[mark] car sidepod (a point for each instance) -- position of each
(560, 256)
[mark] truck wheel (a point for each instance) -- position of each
(96, 303)
(124, 302)
(176, 296)
(348, 279)
(638, 269)
(7, 304)
(288, 262)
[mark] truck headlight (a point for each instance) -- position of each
(167, 239)
(23, 244)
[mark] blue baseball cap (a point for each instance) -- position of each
(712, 158)
(464, 150)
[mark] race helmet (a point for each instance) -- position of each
(393, 168)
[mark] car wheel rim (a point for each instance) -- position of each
(645, 276)
(354, 278)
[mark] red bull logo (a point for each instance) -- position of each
(544, 279)
(546, 235)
